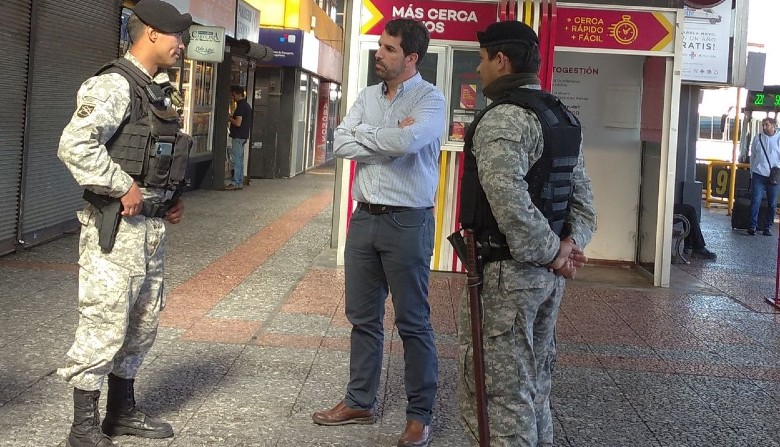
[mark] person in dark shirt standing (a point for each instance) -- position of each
(240, 123)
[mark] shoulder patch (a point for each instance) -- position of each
(85, 110)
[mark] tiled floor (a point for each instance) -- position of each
(254, 339)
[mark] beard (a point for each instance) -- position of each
(383, 72)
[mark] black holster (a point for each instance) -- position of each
(110, 214)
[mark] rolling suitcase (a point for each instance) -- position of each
(740, 214)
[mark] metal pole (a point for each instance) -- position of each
(734, 148)
(774, 300)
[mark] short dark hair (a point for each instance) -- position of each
(523, 57)
(135, 27)
(769, 120)
(414, 36)
(237, 89)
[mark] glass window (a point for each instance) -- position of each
(719, 128)
(717, 125)
(201, 101)
(728, 131)
(705, 127)
(466, 98)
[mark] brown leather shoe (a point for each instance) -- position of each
(341, 414)
(416, 434)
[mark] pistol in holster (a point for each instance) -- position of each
(107, 222)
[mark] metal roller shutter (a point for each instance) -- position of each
(15, 35)
(72, 40)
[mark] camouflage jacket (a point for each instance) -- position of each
(102, 105)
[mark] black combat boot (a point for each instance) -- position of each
(85, 431)
(123, 418)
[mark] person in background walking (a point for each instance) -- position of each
(765, 154)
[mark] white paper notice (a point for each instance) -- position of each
(706, 43)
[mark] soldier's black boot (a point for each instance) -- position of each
(123, 418)
(85, 431)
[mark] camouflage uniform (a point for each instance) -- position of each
(121, 293)
(520, 298)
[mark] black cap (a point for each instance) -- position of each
(162, 16)
(510, 31)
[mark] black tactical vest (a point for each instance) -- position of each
(149, 145)
(549, 179)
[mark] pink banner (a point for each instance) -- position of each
(444, 20)
(613, 29)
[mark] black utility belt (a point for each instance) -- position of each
(374, 208)
(494, 254)
(498, 254)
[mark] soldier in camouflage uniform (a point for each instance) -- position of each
(120, 292)
(521, 292)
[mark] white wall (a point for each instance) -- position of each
(605, 93)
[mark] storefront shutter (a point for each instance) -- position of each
(71, 41)
(15, 34)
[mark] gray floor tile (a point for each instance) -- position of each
(703, 433)
(607, 432)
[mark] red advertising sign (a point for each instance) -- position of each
(468, 96)
(444, 20)
(321, 138)
(614, 29)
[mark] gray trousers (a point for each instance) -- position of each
(390, 252)
(520, 306)
(121, 295)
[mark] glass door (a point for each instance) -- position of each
(298, 149)
(199, 92)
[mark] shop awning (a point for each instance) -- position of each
(252, 50)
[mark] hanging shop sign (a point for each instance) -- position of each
(207, 43)
(444, 20)
(287, 46)
(615, 29)
(247, 22)
(210, 12)
(321, 138)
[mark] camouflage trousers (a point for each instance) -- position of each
(520, 307)
(121, 295)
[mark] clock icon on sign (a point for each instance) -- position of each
(625, 31)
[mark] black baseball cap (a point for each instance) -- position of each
(509, 31)
(162, 16)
